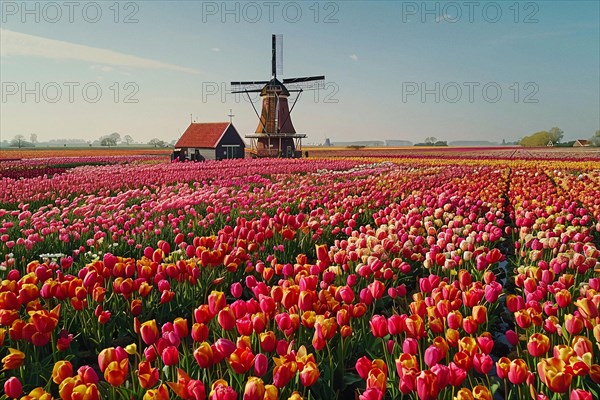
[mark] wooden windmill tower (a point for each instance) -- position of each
(275, 135)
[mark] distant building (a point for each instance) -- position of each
(582, 143)
(327, 142)
(209, 141)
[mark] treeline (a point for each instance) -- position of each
(553, 137)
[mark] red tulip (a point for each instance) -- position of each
(538, 344)
(427, 385)
(87, 375)
(580, 394)
(13, 387)
(483, 363)
(517, 371)
(261, 364)
(170, 355)
(226, 319)
(432, 356)
(216, 302)
(149, 332)
(378, 326)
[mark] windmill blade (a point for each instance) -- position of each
(276, 55)
(305, 83)
(246, 91)
(248, 86)
(279, 59)
(250, 83)
(304, 79)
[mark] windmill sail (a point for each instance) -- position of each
(305, 83)
(247, 86)
(276, 55)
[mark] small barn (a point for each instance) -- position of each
(582, 143)
(209, 141)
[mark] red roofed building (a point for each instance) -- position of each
(209, 141)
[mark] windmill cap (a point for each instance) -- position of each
(274, 86)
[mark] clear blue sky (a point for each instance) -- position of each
(377, 58)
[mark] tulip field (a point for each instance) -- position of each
(374, 277)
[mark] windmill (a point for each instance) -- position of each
(275, 135)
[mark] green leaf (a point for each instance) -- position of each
(351, 379)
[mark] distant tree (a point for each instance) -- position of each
(556, 134)
(538, 139)
(108, 141)
(19, 141)
(115, 136)
(33, 138)
(431, 140)
(596, 139)
(157, 143)
(441, 143)
(128, 139)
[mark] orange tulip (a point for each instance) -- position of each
(241, 360)
(161, 393)
(309, 374)
(415, 326)
(255, 389)
(587, 308)
(468, 345)
(595, 373)
(37, 394)
(582, 345)
(13, 360)
(271, 392)
(553, 373)
(204, 355)
(452, 337)
(116, 372)
(377, 379)
(464, 394)
(283, 373)
(73, 388)
(62, 370)
(147, 375)
(480, 314)
(481, 393)
(109, 355)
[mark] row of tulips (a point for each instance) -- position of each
(34, 167)
(371, 278)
